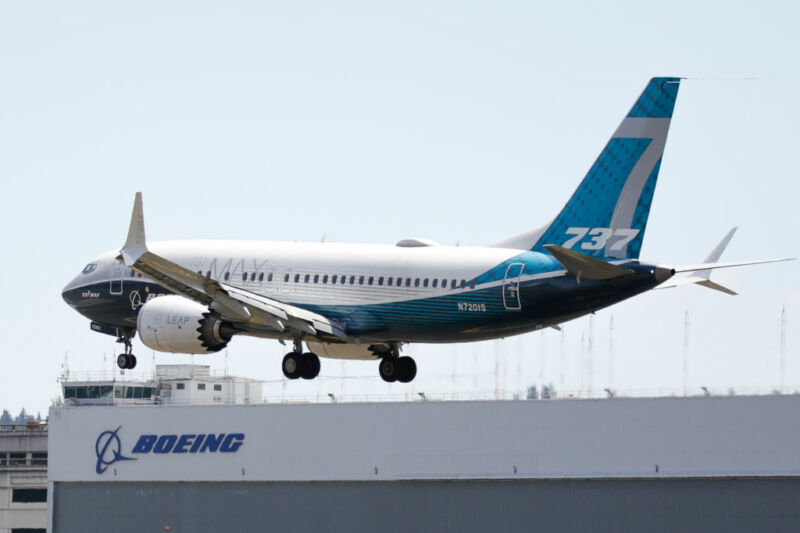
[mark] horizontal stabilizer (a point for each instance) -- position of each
(585, 267)
(696, 280)
(711, 266)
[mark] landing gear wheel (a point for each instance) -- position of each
(310, 365)
(388, 369)
(292, 365)
(408, 369)
(126, 361)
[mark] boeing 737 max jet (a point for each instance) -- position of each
(362, 301)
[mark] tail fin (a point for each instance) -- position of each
(607, 214)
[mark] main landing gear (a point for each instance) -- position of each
(126, 360)
(402, 369)
(300, 365)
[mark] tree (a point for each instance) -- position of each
(6, 418)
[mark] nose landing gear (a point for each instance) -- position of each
(126, 360)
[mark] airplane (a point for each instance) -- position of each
(368, 301)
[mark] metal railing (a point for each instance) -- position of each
(32, 425)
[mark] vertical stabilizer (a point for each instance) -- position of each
(607, 214)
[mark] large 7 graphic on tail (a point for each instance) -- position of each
(607, 214)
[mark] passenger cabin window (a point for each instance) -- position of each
(425, 283)
(444, 284)
(269, 276)
(244, 276)
(408, 282)
(286, 278)
(253, 276)
(325, 278)
(463, 283)
(344, 280)
(352, 280)
(453, 284)
(208, 274)
(370, 280)
(380, 280)
(416, 282)
(435, 283)
(316, 278)
(389, 281)
(472, 284)
(361, 280)
(308, 277)
(261, 277)
(334, 278)
(227, 276)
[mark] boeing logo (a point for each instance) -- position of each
(109, 450)
(108, 446)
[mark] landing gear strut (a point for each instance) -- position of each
(393, 368)
(126, 361)
(297, 364)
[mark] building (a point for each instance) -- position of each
(171, 384)
(23, 478)
(617, 464)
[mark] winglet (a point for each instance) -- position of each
(584, 266)
(135, 246)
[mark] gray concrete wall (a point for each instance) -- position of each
(731, 505)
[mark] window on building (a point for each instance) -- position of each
(217, 387)
(29, 495)
(180, 386)
(201, 386)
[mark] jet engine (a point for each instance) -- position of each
(179, 325)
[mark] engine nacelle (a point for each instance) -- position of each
(179, 325)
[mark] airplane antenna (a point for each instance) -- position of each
(783, 345)
(685, 351)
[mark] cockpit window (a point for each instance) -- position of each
(88, 269)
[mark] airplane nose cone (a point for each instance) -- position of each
(68, 293)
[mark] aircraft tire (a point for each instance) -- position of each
(292, 365)
(389, 369)
(310, 365)
(408, 369)
(131, 361)
(122, 361)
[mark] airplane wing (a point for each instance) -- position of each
(232, 303)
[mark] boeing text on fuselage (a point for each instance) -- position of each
(359, 301)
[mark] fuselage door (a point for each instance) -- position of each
(511, 287)
(116, 278)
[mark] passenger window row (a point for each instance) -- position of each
(335, 279)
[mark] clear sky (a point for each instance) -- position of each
(373, 121)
